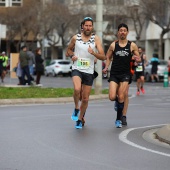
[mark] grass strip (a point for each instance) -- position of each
(37, 92)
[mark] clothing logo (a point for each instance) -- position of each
(122, 53)
(126, 49)
(126, 78)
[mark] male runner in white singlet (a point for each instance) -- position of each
(83, 49)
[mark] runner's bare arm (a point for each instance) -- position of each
(109, 56)
(100, 54)
(145, 60)
(135, 52)
(70, 48)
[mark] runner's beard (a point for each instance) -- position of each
(87, 33)
(122, 37)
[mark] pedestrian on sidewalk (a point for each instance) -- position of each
(24, 58)
(4, 64)
(155, 62)
(1, 65)
(39, 66)
(31, 62)
(169, 70)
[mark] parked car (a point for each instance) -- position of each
(58, 67)
(161, 69)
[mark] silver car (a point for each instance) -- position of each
(58, 67)
(162, 67)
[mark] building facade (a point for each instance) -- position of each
(113, 10)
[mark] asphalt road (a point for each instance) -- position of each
(43, 137)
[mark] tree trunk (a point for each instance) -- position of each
(160, 46)
(54, 52)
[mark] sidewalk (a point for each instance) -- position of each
(163, 134)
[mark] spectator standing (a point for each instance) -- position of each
(169, 70)
(24, 58)
(4, 66)
(155, 62)
(19, 73)
(39, 66)
(31, 62)
(1, 64)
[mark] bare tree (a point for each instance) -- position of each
(114, 13)
(136, 14)
(158, 13)
(21, 23)
(57, 23)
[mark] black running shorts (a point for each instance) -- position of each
(154, 70)
(120, 78)
(87, 79)
(139, 74)
(130, 80)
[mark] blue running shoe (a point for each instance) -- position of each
(118, 123)
(115, 105)
(75, 115)
(78, 124)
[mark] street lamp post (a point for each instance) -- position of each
(99, 32)
(0, 36)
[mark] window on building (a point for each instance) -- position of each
(10, 3)
(2, 3)
(16, 3)
(90, 1)
(113, 2)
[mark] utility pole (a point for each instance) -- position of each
(99, 32)
(0, 35)
(43, 40)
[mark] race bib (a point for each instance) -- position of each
(139, 68)
(83, 63)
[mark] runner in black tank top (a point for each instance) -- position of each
(122, 57)
(120, 53)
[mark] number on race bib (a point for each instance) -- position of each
(139, 68)
(83, 63)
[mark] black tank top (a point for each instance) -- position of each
(121, 59)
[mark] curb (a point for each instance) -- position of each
(47, 100)
(163, 134)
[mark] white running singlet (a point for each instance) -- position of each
(85, 61)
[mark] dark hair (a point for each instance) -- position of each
(36, 51)
(81, 24)
(155, 55)
(22, 47)
(122, 25)
(140, 47)
(86, 19)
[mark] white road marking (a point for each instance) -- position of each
(123, 138)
